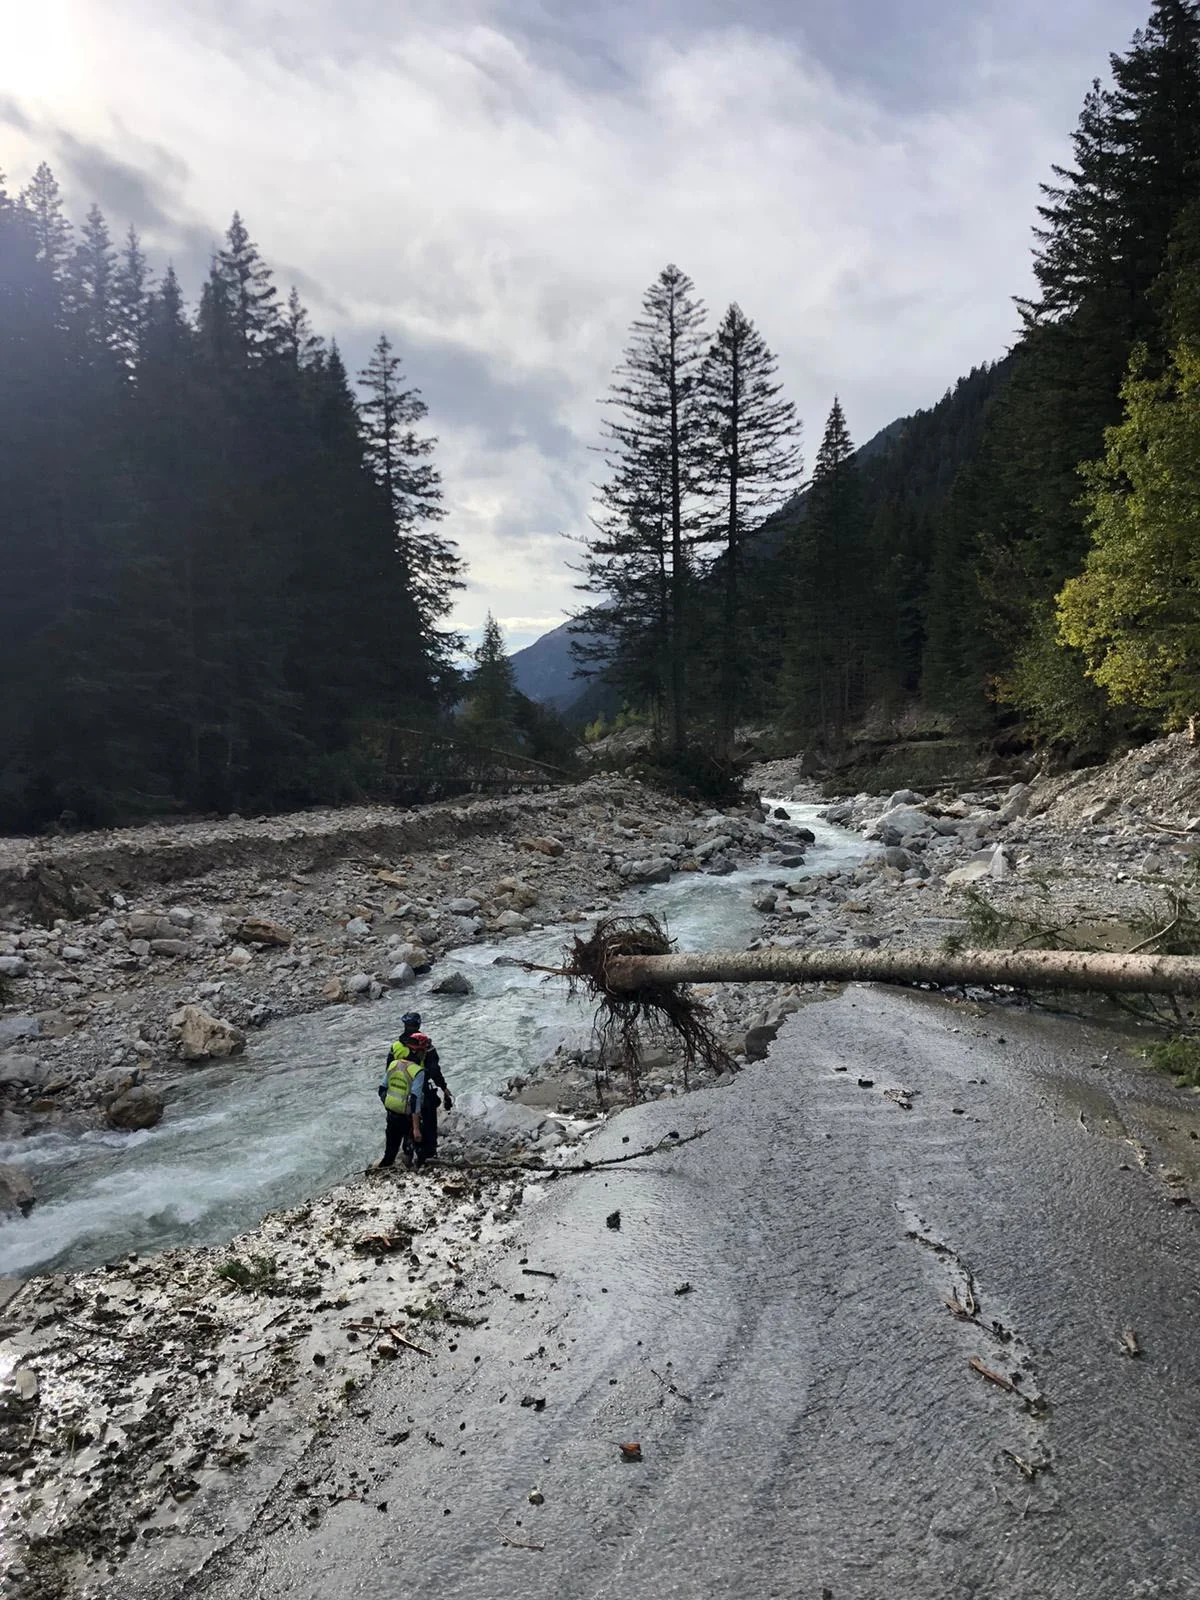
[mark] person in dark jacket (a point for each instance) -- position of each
(412, 1078)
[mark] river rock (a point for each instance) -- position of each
(522, 896)
(13, 967)
(990, 863)
(239, 956)
(331, 989)
(453, 983)
(545, 845)
(656, 869)
(203, 1037)
(712, 847)
(765, 902)
(898, 823)
(14, 1028)
(358, 928)
(791, 859)
(782, 815)
(805, 835)
(462, 907)
(839, 815)
(150, 925)
(16, 1191)
(400, 975)
(416, 955)
(905, 797)
(262, 931)
(182, 917)
(138, 1107)
(358, 983)
(488, 1115)
(18, 1068)
(894, 856)
(168, 947)
(510, 922)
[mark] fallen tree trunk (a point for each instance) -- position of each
(1018, 969)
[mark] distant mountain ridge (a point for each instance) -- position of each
(544, 670)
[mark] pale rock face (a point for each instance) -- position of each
(203, 1037)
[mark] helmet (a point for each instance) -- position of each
(419, 1041)
(410, 1021)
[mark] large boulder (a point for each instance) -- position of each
(488, 1115)
(990, 863)
(203, 1037)
(13, 967)
(900, 823)
(16, 1191)
(522, 896)
(657, 869)
(18, 1068)
(135, 1108)
(905, 797)
(150, 925)
(14, 1028)
(262, 931)
(453, 983)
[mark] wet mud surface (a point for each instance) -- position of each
(871, 1344)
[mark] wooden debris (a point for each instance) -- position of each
(630, 1452)
(407, 1343)
(998, 1378)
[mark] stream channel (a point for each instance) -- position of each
(298, 1112)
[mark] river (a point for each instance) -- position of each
(298, 1112)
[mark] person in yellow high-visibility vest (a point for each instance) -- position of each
(408, 1091)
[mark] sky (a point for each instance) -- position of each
(497, 182)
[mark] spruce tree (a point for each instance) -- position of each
(655, 434)
(131, 303)
(491, 707)
(751, 442)
(92, 290)
(399, 456)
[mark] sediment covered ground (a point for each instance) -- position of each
(157, 1412)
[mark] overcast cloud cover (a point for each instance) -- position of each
(496, 182)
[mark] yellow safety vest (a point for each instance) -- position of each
(402, 1070)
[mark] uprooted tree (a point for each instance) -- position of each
(628, 966)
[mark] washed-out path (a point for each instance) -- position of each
(809, 1418)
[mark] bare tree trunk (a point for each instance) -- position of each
(1022, 969)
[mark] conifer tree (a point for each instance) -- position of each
(751, 442)
(131, 302)
(92, 290)
(490, 712)
(655, 436)
(42, 199)
(400, 458)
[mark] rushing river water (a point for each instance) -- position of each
(298, 1111)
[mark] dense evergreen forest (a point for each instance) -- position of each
(1026, 554)
(222, 580)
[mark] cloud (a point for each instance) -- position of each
(497, 181)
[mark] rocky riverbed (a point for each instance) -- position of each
(129, 958)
